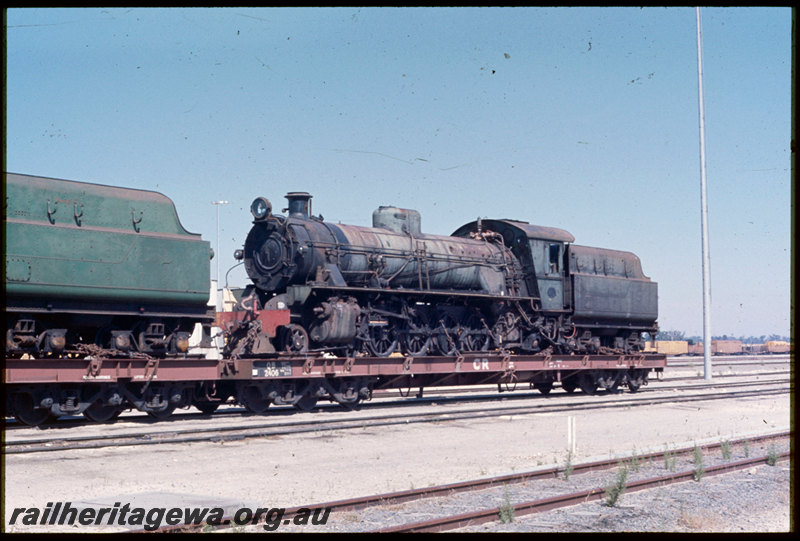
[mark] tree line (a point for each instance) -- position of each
(680, 335)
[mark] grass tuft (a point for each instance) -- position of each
(699, 466)
(615, 490)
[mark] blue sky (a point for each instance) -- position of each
(580, 118)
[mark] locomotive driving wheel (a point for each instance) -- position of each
(446, 335)
(473, 335)
(383, 339)
(416, 338)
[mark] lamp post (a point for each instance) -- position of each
(217, 255)
(704, 209)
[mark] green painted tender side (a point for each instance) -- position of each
(94, 243)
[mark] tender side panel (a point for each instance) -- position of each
(611, 297)
(59, 262)
(91, 243)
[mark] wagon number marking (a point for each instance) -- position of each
(272, 369)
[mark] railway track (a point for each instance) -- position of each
(274, 429)
(546, 504)
(492, 514)
(698, 362)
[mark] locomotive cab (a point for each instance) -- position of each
(540, 250)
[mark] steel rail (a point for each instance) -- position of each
(547, 504)
(752, 362)
(405, 496)
(280, 429)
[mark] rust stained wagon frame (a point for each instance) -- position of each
(487, 364)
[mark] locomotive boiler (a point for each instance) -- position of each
(492, 284)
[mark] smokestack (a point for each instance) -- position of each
(299, 204)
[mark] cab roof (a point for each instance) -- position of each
(532, 231)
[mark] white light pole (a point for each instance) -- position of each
(704, 210)
(217, 255)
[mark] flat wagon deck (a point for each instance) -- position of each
(101, 387)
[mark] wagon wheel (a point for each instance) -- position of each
(382, 339)
(587, 383)
(473, 336)
(446, 337)
(635, 380)
(252, 401)
(569, 384)
(210, 406)
(25, 413)
(207, 407)
(544, 387)
(295, 339)
(306, 402)
(101, 413)
(164, 414)
(614, 387)
(416, 339)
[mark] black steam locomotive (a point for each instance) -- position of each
(492, 284)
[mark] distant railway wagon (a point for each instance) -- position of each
(721, 347)
(777, 346)
(668, 347)
(726, 347)
(754, 349)
(696, 349)
(718, 347)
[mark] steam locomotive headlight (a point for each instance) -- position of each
(261, 208)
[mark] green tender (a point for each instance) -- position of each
(89, 242)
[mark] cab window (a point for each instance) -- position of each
(554, 251)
